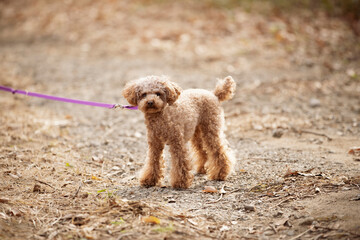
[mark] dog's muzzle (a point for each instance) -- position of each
(150, 103)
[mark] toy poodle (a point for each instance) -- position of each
(175, 117)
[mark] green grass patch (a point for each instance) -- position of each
(170, 228)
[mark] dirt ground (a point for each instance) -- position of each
(70, 171)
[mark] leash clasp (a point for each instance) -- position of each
(118, 106)
(125, 107)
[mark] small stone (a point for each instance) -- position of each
(37, 188)
(171, 201)
(307, 221)
(290, 233)
(309, 63)
(97, 158)
(249, 208)
(317, 190)
(287, 223)
(269, 232)
(138, 135)
(351, 73)
(295, 216)
(277, 133)
(314, 102)
(115, 168)
(356, 198)
(224, 228)
(278, 214)
(84, 195)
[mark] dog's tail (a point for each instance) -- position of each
(225, 89)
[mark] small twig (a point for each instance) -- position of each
(286, 200)
(217, 200)
(318, 236)
(222, 192)
(339, 230)
(317, 134)
(39, 181)
(34, 222)
(303, 233)
(273, 228)
(311, 132)
(125, 235)
(57, 220)
(236, 190)
(77, 191)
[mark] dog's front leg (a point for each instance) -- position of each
(152, 172)
(181, 176)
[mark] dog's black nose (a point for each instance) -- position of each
(150, 103)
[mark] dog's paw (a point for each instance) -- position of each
(148, 179)
(183, 182)
(181, 185)
(201, 170)
(219, 174)
(218, 177)
(148, 182)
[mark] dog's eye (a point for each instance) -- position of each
(143, 95)
(158, 94)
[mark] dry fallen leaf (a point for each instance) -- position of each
(222, 190)
(210, 189)
(4, 200)
(14, 212)
(351, 73)
(354, 151)
(289, 173)
(95, 178)
(150, 219)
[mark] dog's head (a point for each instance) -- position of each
(151, 94)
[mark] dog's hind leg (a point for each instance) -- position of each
(199, 149)
(219, 163)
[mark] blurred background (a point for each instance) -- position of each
(190, 31)
(280, 50)
(283, 54)
(224, 35)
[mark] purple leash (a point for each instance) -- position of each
(61, 99)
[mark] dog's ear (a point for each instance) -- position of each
(129, 92)
(173, 91)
